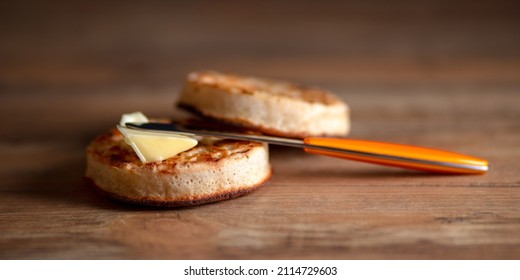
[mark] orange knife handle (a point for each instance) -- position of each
(406, 156)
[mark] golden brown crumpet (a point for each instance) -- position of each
(272, 107)
(211, 171)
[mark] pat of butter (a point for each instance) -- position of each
(153, 146)
(135, 117)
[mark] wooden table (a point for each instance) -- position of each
(436, 74)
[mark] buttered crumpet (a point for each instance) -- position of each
(211, 171)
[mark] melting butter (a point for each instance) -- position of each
(153, 146)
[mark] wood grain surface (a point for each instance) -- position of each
(442, 74)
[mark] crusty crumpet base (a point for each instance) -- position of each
(271, 107)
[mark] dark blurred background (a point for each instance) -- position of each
(83, 58)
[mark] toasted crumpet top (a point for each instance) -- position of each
(249, 85)
(110, 148)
